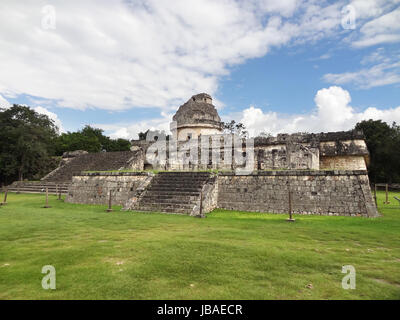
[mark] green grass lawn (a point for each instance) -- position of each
(228, 255)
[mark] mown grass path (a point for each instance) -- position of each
(228, 255)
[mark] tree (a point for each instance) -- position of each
(143, 135)
(265, 135)
(91, 140)
(118, 145)
(72, 141)
(383, 142)
(235, 128)
(26, 142)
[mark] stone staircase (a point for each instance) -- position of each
(39, 187)
(61, 178)
(90, 162)
(174, 192)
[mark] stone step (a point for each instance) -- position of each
(157, 188)
(91, 161)
(198, 177)
(34, 191)
(179, 182)
(27, 183)
(166, 184)
(184, 173)
(37, 186)
(173, 192)
(43, 183)
(172, 209)
(188, 180)
(167, 205)
(176, 211)
(169, 196)
(40, 187)
(168, 201)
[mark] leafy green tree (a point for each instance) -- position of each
(91, 140)
(235, 128)
(26, 143)
(119, 145)
(143, 135)
(29, 141)
(265, 134)
(72, 141)
(383, 142)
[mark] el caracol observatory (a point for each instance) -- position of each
(197, 116)
(325, 173)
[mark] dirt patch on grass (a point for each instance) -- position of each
(387, 282)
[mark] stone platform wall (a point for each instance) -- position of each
(94, 188)
(341, 162)
(313, 192)
(333, 192)
(100, 161)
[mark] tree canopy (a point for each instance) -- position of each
(26, 142)
(30, 142)
(383, 142)
(91, 140)
(235, 128)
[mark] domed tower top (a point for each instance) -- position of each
(197, 116)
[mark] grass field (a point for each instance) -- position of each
(228, 255)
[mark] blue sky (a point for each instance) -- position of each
(286, 80)
(126, 66)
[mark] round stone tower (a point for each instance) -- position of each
(198, 116)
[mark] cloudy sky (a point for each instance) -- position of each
(277, 66)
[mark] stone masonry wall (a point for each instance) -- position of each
(342, 162)
(94, 188)
(210, 195)
(313, 192)
(333, 192)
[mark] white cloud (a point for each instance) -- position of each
(117, 54)
(131, 130)
(376, 56)
(379, 75)
(376, 39)
(385, 71)
(333, 113)
(121, 133)
(333, 108)
(284, 7)
(384, 29)
(325, 56)
(122, 54)
(372, 8)
(51, 115)
(4, 103)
